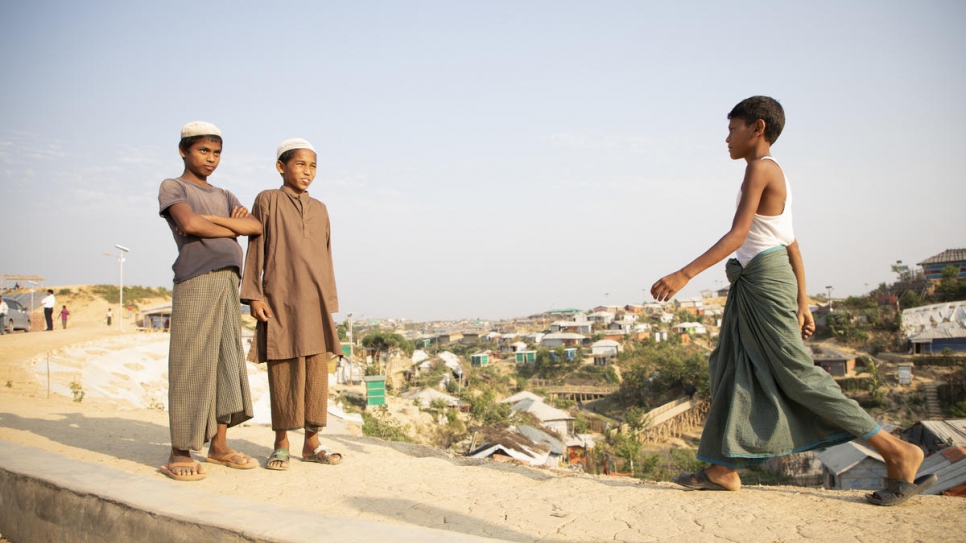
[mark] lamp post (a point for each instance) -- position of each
(349, 331)
(120, 284)
(34, 283)
(829, 288)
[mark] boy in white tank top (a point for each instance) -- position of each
(767, 396)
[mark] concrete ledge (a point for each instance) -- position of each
(48, 497)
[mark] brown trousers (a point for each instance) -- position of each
(299, 392)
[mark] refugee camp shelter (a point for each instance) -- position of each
(425, 396)
(550, 417)
(834, 362)
(479, 360)
(852, 466)
(526, 356)
(156, 319)
(936, 435)
(935, 328)
(932, 267)
(507, 444)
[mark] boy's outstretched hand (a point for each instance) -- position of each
(668, 286)
(806, 322)
(260, 310)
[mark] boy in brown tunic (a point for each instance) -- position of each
(289, 284)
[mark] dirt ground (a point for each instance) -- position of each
(408, 484)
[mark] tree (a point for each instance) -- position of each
(485, 410)
(626, 447)
(385, 342)
(659, 371)
(635, 388)
(950, 287)
(636, 418)
(874, 385)
(910, 299)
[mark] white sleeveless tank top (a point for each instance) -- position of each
(768, 231)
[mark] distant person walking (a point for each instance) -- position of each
(64, 314)
(3, 316)
(109, 315)
(690, 390)
(49, 302)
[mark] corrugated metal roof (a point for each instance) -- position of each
(831, 354)
(948, 465)
(520, 396)
(525, 455)
(542, 411)
(952, 431)
(563, 335)
(949, 255)
(427, 395)
(841, 458)
(539, 436)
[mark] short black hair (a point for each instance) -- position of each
(186, 143)
(764, 108)
(286, 156)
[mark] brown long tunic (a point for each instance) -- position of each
(289, 267)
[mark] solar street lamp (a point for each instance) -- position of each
(120, 283)
(34, 283)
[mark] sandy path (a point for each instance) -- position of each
(415, 485)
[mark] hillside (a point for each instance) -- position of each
(409, 485)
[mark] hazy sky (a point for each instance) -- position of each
(486, 159)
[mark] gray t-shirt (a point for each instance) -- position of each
(198, 256)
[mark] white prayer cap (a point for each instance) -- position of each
(199, 128)
(294, 143)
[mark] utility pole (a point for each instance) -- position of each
(120, 283)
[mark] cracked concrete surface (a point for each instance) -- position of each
(403, 486)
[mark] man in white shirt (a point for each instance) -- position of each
(49, 303)
(3, 315)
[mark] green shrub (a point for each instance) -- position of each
(379, 423)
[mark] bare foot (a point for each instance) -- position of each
(902, 459)
(905, 463)
(182, 467)
(311, 443)
(232, 459)
(279, 460)
(723, 476)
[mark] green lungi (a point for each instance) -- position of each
(207, 375)
(768, 398)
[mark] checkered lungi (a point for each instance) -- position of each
(207, 376)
